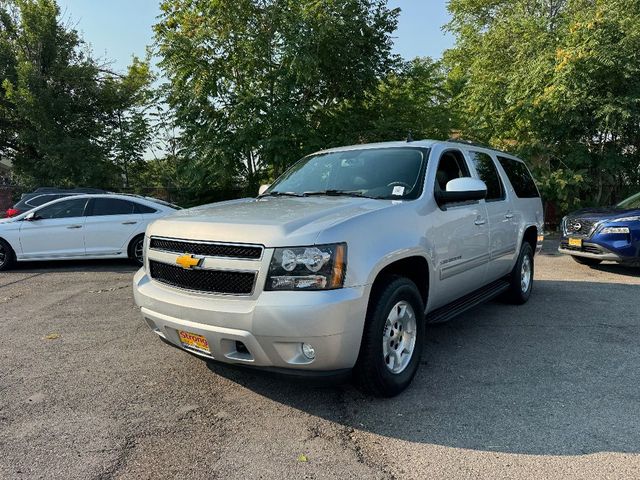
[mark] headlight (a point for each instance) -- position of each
(318, 267)
(606, 230)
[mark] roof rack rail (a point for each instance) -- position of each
(469, 142)
(477, 144)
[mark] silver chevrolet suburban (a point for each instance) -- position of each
(337, 266)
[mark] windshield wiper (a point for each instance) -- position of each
(282, 194)
(338, 193)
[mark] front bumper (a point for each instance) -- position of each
(589, 250)
(272, 326)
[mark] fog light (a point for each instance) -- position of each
(308, 351)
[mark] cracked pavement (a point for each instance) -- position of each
(545, 390)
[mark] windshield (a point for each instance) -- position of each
(386, 173)
(632, 202)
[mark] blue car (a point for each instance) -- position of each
(594, 235)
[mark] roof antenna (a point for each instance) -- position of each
(409, 138)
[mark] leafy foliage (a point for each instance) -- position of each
(557, 81)
(129, 129)
(64, 119)
(411, 99)
(255, 84)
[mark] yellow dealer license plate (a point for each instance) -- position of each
(575, 242)
(196, 342)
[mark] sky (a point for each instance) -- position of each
(119, 29)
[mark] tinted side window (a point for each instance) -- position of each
(450, 167)
(139, 208)
(520, 178)
(66, 209)
(112, 206)
(488, 174)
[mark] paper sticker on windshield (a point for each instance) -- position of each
(398, 190)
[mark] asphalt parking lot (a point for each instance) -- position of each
(546, 390)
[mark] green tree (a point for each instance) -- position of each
(254, 82)
(8, 73)
(60, 109)
(131, 100)
(412, 99)
(557, 81)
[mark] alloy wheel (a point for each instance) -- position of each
(399, 337)
(138, 251)
(525, 274)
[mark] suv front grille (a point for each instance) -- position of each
(249, 252)
(579, 226)
(211, 281)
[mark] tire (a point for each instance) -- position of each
(136, 250)
(380, 370)
(520, 288)
(592, 262)
(7, 256)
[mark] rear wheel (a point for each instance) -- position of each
(592, 262)
(392, 340)
(136, 250)
(7, 256)
(521, 278)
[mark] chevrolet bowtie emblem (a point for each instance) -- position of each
(188, 261)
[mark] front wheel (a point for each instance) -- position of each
(7, 257)
(521, 278)
(592, 262)
(392, 339)
(136, 250)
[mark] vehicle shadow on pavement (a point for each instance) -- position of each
(107, 265)
(557, 376)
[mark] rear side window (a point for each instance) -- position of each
(520, 178)
(67, 209)
(112, 206)
(489, 175)
(139, 208)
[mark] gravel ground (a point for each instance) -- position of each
(545, 390)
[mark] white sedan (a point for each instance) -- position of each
(87, 226)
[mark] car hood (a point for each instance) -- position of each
(269, 221)
(604, 213)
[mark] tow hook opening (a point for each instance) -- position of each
(237, 350)
(242, 348)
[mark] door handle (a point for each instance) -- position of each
(480, 221)
(508, 216)
(129, 223)
(74, 226)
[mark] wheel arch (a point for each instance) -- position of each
(132, 242)
(415, 267)
(13, 256)
(13, 249)
(530, 235)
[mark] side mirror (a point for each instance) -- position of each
(30, 217)
(263, 188)
(463, 189)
